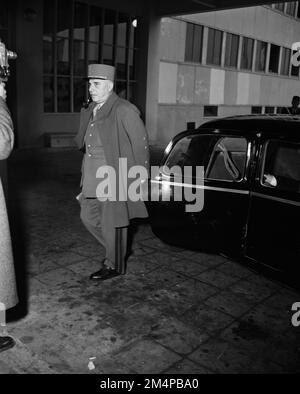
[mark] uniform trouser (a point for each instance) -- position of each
(113, 239)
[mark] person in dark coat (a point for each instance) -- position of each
(8, 291)
(111, 134)
(294, 109)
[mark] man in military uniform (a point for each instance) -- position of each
(110, 129)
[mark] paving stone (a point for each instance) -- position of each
(177, 336)
(210, 260)
(148, 357)
(234, 269)
(59, 277)
(194, 291)
(187, 267)
(222, 357)
(266, 366)
(142, 251)
(230, 303)
(217, 278)
(261, 281)
(162, 259)
(141, 265)
(89, 250)
(282, 301)
(64, 258)
(85, 268)
(247, 335)
(35, 265)
(169, 301)
(284, 353)
(154, 243)
(272, 321)
(207, 318)
(187, 367)
(110, 365)
(252, 290)
(163, 278)
(24, 361)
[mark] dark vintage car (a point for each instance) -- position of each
(248, 191)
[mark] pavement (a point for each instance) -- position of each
(175, 311)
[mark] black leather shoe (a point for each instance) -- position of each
(104, 273)
(6, 343)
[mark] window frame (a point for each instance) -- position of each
(285, 61)
(258, 43)
(250, 61)
(262, 167)
(214, 51)
(190, 43)
(243, 178)
(51, 77)
(218, 138)
(229, 51)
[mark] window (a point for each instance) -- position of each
(232, 48)
(285, 61)
(282, 166)
(282, 110)
(261, 56)
(228, 160)
(295, 70)
(274, 58)
(269, 110)
(247, 54)
(3, 17)
(214, 47)
(256, 110)
(76, 35)
(298, 11)
(291, 8)
(193, 150)
(210, 110)
(223, 158)
(193, 46)
(279, 6)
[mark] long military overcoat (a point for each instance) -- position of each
(8, 292)
(123, 135)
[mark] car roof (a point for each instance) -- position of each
(280, 125)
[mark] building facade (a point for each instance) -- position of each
(226, 63)
(176, 69)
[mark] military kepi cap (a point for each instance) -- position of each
(101, 71)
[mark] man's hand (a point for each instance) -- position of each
(270, 180)
(2, 91)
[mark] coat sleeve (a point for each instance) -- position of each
(138, 136)
(6, 131)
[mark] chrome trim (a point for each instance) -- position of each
(291, 202)
(218, 189)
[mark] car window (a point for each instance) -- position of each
(193, 150)
(281, 168)
(228, 159)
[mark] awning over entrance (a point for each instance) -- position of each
(180, 7)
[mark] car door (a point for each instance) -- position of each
(220, 223)
(226, 193)
(273, 234)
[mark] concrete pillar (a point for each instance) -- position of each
(148, 71)
(29, 70)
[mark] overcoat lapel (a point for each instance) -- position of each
(85, 117)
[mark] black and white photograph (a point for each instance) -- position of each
(149, 190)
